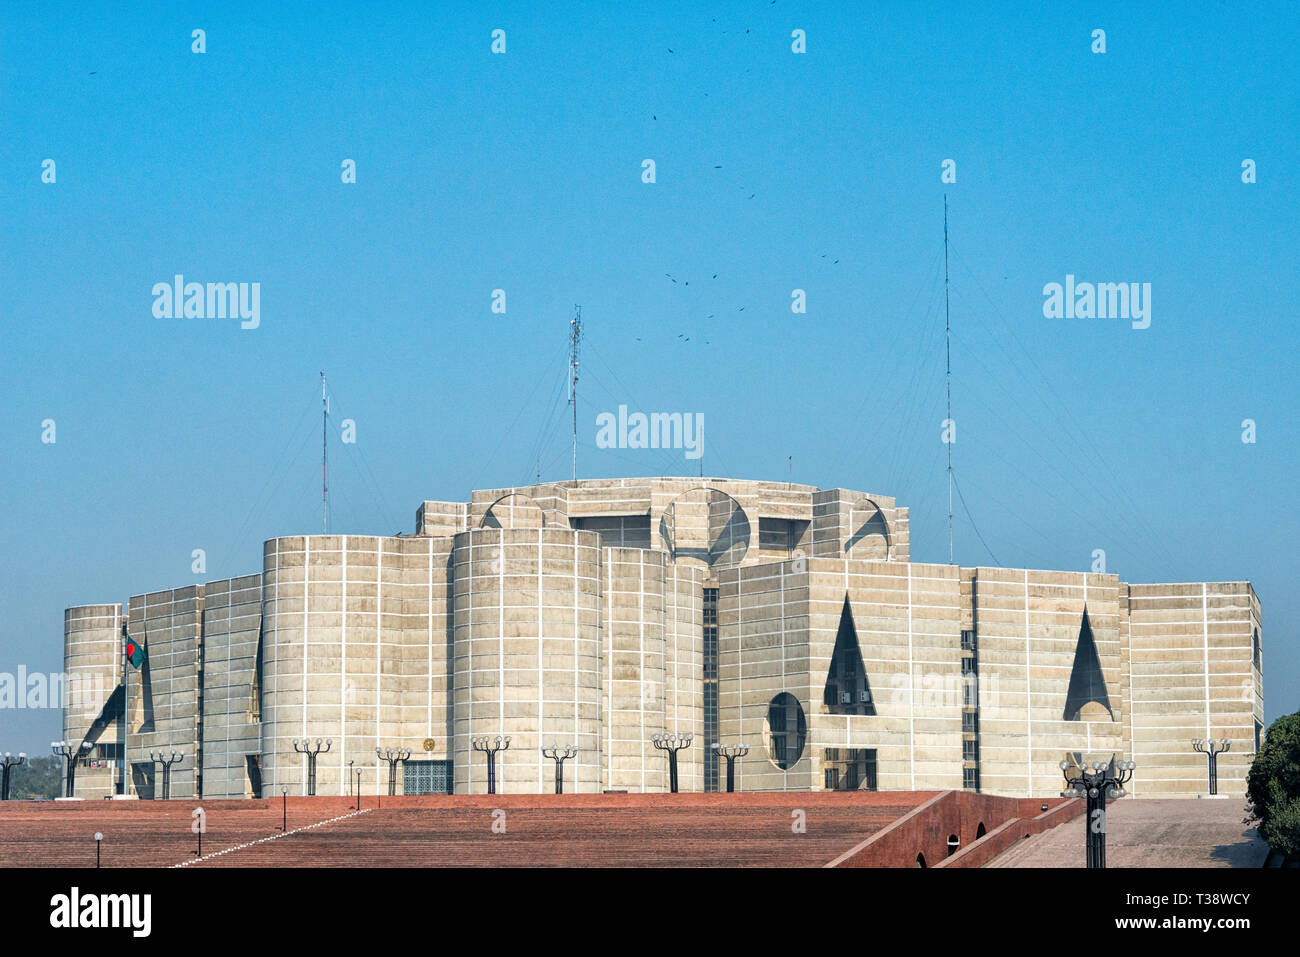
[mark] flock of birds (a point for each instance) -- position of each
(681, 336)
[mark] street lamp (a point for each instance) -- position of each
(311, 751)
(559, 755)
(490, 747)
(1101, 782)
(730, 752)
(1212, 749)
(672, 743)
(393, 756)
(99, 839)
(70, 753)
(167, 762)
(10, 762)
(284, 808)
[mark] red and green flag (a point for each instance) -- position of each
(134, 653)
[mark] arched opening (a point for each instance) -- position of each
(787, 731)
(954, 842)
(513, 510)
(868, 531)
(979, 831)
(705, 526)
(920, 860)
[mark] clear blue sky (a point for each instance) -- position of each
(522, 172)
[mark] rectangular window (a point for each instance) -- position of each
(968, 641)
(968, 666)
(970, 751)
(780, 534)
(426, 777)
(968, 722)
(970, 779)
(850, 769)
(969, 692)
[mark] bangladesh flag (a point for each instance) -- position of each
(134, 653)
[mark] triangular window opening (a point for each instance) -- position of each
(1087, 684)
(847, 689)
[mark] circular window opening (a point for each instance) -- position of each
(787, 731)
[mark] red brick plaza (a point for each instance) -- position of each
(814, 829)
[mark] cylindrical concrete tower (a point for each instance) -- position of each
(353, 652)
(526, 656)
(92, 665)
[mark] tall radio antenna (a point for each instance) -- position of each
(575, 341)
(324, 472)
(947, 322)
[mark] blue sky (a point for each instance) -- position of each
(522, 172)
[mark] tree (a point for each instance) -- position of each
(38, 777)
(1273, 786)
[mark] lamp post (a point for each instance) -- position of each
(311, 751)
(167, 762)
(359, 770)
(284, 809)
(69, 753)
(352, 775)
(1104, 780)
(393, 756)
(730, 752)
(559, 754)
(10, 762)
(1212, 749)
(672, 743)
(99, 839)
(490, 747)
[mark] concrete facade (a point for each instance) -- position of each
(599, 613)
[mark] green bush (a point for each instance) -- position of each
(1273, 786)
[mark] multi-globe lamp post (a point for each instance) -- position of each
(311, 750)
(10, 762)
(559, 754)
(1104, 780)
(490, 747)
(1212, 749)
(70, 753)
(393, 756)
(166, 760)
(730, 752)
(671, 744)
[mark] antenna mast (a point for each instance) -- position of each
(575, 341)
(324, 472)
(947, 322)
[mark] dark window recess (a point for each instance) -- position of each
(1087, 684)
(968, 724)
(968, 666)
(970, 751)
(710, 636)
(970, 779)
(787, 730)
(968, 641)
(847, 689)
(850, 769)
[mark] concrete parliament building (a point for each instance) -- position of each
(598, 613)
